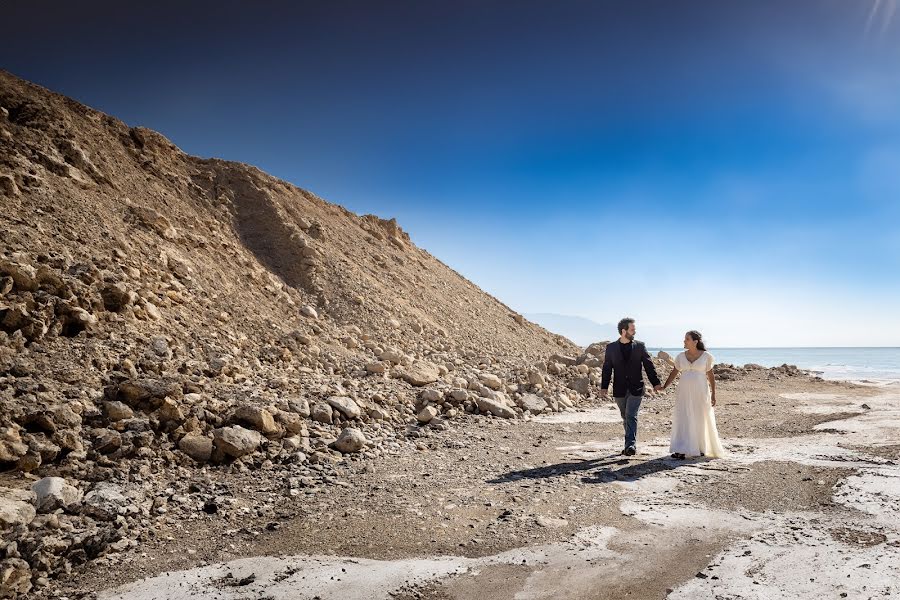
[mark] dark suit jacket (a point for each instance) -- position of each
(628, 377)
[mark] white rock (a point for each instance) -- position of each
(532, 403)
(54, 492)
(420, 373)
(351, 440)
(345, 405)
(495, 407)
(309, 311)
(105, 502)
(427, 414)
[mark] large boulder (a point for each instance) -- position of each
(598, 349)
(345, 406)
(351, 440)
(562, 360)
(495, 407)
(52, 493)
(322, 412)
(197, 446)
(105, 502)
(420, 373)
(532, 403)
(259, 419)
(427, 414)
(582, 385)
(235, 441)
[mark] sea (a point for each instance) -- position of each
(866, 365)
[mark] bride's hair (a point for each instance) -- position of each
(697, 337)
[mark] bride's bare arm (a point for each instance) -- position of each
(671, 378)
(712, 386)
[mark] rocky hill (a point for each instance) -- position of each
(160, 312)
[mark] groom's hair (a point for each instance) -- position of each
(624, 323)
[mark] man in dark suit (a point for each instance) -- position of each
(625, 357)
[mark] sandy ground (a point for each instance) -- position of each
(805, 505)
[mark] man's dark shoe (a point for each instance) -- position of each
(630, 451)
(624, 452)
(678, 456)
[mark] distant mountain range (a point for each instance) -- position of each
(584, 331)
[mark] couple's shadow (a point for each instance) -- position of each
(605, 469)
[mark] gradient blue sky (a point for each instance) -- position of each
(732, 167)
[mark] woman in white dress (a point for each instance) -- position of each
(694, 430)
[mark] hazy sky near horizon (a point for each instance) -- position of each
(732, 167)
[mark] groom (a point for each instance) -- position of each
(625, 357)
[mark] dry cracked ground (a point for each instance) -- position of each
(805, 505)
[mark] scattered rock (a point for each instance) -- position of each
(235, 441)
(427, 414)
(562, 360)
(52, 493)
(16, 507)
(495, 407)
(259, 419)
(351, 440)
(532, 403)
(105, 502)
(15, 577)
(420, 373)
(345, 405)
(582, 385)
(551, 522)
(321, 412)
(490, 380)
(199, 447)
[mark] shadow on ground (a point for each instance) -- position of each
(599, 470)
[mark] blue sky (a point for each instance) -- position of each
(732, 167)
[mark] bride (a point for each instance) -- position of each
(694, 422)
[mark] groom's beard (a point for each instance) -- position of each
(630, 337)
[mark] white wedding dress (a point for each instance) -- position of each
(694, 421)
